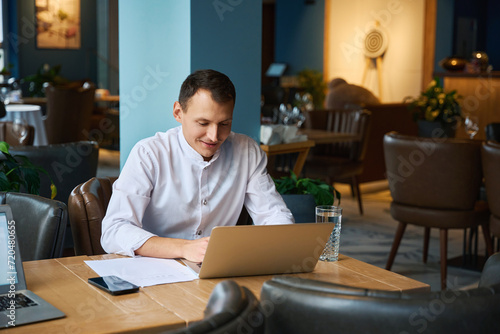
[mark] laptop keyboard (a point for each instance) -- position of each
(21, 301)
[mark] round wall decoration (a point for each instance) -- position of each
(375, 43)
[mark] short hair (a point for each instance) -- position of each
(218, 84)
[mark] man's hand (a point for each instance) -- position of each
(194, 250)
(169, 248)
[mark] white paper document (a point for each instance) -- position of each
(143, 271)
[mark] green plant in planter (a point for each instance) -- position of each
(18, 174)
(324, 194)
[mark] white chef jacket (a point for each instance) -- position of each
(166, 189)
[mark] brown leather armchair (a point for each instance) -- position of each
(339, 162)
(69, 112)
(87, 206)
(40, 224)
(297, 305)
(8, 135)
(490, 154)
(434, 183)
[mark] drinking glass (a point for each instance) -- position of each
(471, 125)
(330, 214)
(20, 128)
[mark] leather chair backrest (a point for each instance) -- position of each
(433, 172)
(40, 224)
(490, 154)
(69, 112)
(10, 136)
(68, 165)
(231, 309)
(493, 132)
(87, 206)
(298, 305)
(354, 121)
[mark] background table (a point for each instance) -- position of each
(63, 283)
(32, 114)
(302, 148)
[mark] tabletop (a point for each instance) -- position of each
(63, 283)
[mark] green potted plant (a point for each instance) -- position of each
(302, 195)
(18, 174)
(436, 109)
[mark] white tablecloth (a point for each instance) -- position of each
(33, 116)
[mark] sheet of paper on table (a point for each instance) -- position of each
(144, 271)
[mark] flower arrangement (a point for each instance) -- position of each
(434, 104)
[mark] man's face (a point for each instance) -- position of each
(205, 124)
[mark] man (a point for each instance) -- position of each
(344, 95)
(177, 185)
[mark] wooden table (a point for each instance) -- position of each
(63, 283)
(302, 148)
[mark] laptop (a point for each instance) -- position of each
(262, 250)
(18, 306)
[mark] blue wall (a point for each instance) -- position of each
(444, 32)
(154, 60)
(75, 64)
(230, 41)
(174, 38)
(300, 34)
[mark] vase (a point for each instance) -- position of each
(436, 129)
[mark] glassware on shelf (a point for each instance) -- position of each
(471, 125)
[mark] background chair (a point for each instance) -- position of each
(339, 162)
(68, 165)
(308, 306)
(231, 309)
(493, 132)
(490, 155)
(434, 184)
(69, 111)
(40, 224)
(87, 206)
(9, 134)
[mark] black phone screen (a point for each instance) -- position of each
(114, 285)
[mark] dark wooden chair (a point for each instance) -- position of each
(69, 112)
(339, 162)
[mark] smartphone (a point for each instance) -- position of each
(113, 285)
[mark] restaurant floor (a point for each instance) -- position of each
(369, 237)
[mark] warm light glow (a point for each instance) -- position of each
(453, 62)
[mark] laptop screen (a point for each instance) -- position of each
(8, 250)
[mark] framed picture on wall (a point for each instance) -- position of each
(57, 24)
